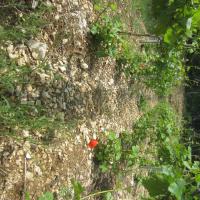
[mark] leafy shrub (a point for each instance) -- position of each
(114, 154)
(161, 68)
(105, 36)
(178, 181)
(165, 72)
(173, 165)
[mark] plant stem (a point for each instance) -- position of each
(101, 13)
(98, 193)
(24, 178)
(136, 34)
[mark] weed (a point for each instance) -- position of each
(173, 171)
(115, 154)
(20, 22)
(142, 103)
(175, 168)
(106, 37)
(27, 117)
(159, 67)
(122, 152)
(142, 14)
(11, 73)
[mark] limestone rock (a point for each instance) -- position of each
(38, 170)
(38, 49)
(29, 176)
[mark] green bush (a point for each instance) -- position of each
(105, 36)
(115, 154)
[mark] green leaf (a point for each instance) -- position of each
(78, 189)
(196, 18)
(97, 7)
(112, 136)
(187, 164)
(156, 185)
(113, 6)
(167, 170)
(177, 188)
(94, 30)
(47, 196)
(134, 150)
(189, 23)
(197, 178)
(103, 168)
(118, 156)
(108, 196)
(27, 196)
(170, 36)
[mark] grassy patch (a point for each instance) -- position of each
(18, 117)
(142, 15)
(11, 74)
(19, 21)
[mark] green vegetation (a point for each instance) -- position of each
(169, 161)
(161, 67)
(115, 154)
(26, 117)
(20, 22)
(173, 172)
(142, 14)
(11, 73)
(23, 21)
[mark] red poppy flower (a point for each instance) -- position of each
(93, 143)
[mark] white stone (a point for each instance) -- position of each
(25, 133)
(78, 138)
(43, 77)
(38, 170)
(21, 61)
(34, 4)
(111, 82)
(18, 162)
(29, 175)
(57, 17)
(35, 94)
(38, 49)
(84, 65)
(94, 136)
(62, 68)
(6, 154)
(29, 88)
(20, 153)
(46, 95)
(87, 139)
(65, 41)
(59, 8)
(28, 156)
(10, 48)
(26, 146)
(13, 56)
(24, 100)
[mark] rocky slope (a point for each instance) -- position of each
(81, 91)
